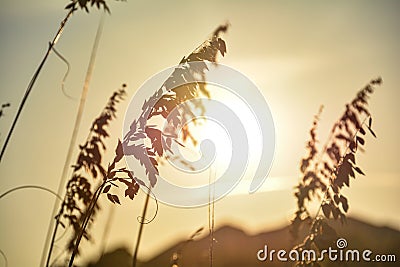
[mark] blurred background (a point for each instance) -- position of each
(300, 55)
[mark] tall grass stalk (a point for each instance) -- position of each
(52, 232)
(106, 231)
(326, 172)
(86, 221)
(211, 213)
(33, 80)
(148, 156)
(142, 223)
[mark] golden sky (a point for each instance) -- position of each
(300, 55)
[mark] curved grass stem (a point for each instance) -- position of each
(33, 80)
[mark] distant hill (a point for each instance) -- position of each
(235, 248)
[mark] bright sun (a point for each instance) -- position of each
(212, 130)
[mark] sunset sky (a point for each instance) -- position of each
(299, 54)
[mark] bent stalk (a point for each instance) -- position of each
(33, 80)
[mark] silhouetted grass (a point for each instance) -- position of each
(325, 172)
(161, 103)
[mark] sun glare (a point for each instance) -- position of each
(208, 130)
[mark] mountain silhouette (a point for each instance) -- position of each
(235, 248)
